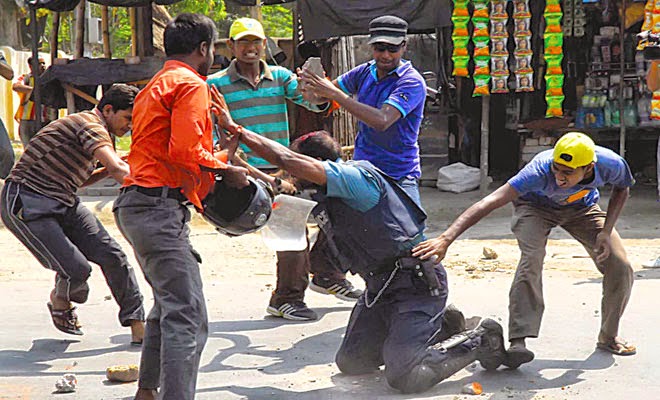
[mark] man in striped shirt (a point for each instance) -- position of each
(256, 94)
(40, 207)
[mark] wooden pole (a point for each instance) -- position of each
(105, 27)
(80, 30)
(144, 25)
(131, 17)
(622, 66)
(36, 91)
(483, 164)
(255, 11)
(54, 35)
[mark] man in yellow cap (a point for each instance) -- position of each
(256, 94)
(558, 187)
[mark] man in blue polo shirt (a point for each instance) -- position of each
(558, 188)
(389, 103)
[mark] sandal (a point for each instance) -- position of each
(65, 320)
(617, 347)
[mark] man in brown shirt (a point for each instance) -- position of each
(40, 207)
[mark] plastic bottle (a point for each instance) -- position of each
(644, 108)
(630, 113)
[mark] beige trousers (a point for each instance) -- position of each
(532, 224)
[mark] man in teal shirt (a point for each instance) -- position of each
(256, 95)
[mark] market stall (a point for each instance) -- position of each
(546, 67)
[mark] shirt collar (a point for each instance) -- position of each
(403, 66)
(101, 117)
(172, 64)
(234, 75)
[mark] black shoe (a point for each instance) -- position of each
(341, 289)
(517, 355)
(490, 352)
(294, 311)
(453, 322)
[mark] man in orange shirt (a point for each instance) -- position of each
(172, 163)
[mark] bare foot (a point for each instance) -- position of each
(58, 303)
(617, 346)
(137, 331)
(146, 394)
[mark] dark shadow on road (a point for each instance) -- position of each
(650, 273)
(36, 358)
(642, 274)
(312, 350)
(523, 383)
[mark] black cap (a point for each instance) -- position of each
(387, 29)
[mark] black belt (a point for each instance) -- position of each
(160, 191)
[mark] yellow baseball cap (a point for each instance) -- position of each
(246, 27)
(574, 150)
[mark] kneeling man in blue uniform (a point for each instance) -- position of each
(371, 225)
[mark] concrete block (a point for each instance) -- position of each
(535, 149)
(547, 141)
(531, 142)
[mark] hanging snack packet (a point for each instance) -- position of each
(553, 43)
(461, 66)
(499, 85)
(498, 29)
(481, 48)
(554, 106)
(499, 47)
(499, 66)
(481, 85)
(523, 47)
(481, 66)
(655, 105)
(522, 28)
(460, 26)
(521, 9)
(523, 64)
(524, 83)
(553, 62)
(460, 45)
(498, 10)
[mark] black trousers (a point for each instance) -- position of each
(65, 239)
(397, 330)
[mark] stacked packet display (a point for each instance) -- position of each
(523, 51)
(481, 40)
(499, 54)
(651, 24)
(553, 52)
(460, 36)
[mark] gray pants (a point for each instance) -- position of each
(65, 239)
(532, 225)
(177, 325)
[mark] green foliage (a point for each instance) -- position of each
(212, 8)
(278, 21)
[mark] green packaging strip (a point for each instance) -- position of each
(553, 40)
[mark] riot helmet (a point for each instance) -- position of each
(236, 212)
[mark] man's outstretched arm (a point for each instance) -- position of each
(298, 165)
(438, 246)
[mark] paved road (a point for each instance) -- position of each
(252, 356)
